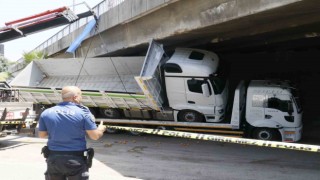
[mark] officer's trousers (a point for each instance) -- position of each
(66, 167)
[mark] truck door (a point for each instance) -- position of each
(195, 98)
(256, 107)
(277, 109)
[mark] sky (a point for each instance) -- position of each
(16, 9)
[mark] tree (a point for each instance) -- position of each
(33, 55)
(4, 64)
(4, 76)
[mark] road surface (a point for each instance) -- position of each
(156, 158)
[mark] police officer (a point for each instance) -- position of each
(66, 126)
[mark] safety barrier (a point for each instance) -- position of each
(17, 122)
(217, 138)
(11, 122)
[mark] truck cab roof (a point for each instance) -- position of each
(269, 86)
(184, 61)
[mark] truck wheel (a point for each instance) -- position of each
(266, 134)
(110, 113)
(190, 116)
(136, 133)
(112, 131)
(161, 127)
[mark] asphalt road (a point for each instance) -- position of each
(20, 159)
(155, 157)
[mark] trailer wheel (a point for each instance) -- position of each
(190, 116)
(136, 133)
(110, 113)
(161, 127)
(112, 131)
(266, 134)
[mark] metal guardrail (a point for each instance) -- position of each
(99, 9)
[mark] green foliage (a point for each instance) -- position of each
(33, 55)
(4, 76)
(4, 64)
(11, 63)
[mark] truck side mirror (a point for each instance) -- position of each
(205, 90)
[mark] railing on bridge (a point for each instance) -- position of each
(99, 9)
(136, 9)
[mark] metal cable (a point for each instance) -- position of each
(120, 76)
(86, 55)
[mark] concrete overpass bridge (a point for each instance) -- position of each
(126, 26)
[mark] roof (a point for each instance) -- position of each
(206, 66)
(270, 86)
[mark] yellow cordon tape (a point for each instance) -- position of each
(15, 122)
(12, 122)
(208, 137)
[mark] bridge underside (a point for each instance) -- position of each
(223, 26)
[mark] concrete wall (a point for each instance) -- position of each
(134, 22)
(190, 23)
(177, 19)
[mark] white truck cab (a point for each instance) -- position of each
(273, 108)
(192, 88)
(197, 94)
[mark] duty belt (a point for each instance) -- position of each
(88, 154)
(75, 153)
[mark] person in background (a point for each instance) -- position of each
(66, 126)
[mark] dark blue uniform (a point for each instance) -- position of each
(66, 125)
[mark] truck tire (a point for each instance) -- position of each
(190, 116)
(112, 131)
(266, 134)
(110, 113)
(136, 133)
(162, 127)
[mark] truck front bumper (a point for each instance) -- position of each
(291, 134)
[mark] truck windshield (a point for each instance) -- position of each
(218, 84)
(296, 100)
